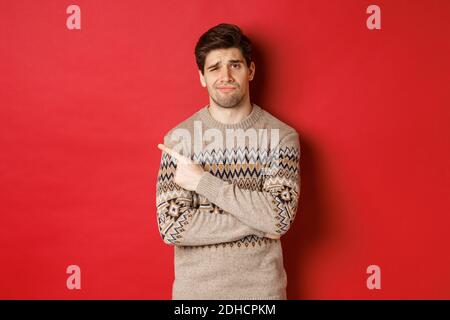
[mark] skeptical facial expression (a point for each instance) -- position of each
(226, 76)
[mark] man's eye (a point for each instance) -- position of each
(236, 65)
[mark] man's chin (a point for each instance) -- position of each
(227, 104)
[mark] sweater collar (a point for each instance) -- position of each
(245, 123)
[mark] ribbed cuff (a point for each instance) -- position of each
(209, 186)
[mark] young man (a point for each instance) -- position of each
(229, 183)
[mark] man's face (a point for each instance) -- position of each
(227, 76)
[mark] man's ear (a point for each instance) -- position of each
(202, 79)
(251, 71)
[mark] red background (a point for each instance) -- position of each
(82, 111)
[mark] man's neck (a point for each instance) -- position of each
(230, 115)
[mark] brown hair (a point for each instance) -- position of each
(222, 36)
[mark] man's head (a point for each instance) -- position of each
(224, 59)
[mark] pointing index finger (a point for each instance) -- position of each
(173, 153)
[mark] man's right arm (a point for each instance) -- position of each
(183, 221)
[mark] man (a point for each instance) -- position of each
(225, 206)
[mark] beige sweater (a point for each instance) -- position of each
(225, 234)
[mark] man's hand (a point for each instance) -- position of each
(188, 173)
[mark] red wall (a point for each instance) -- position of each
(82, 111)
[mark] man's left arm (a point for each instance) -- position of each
(271, 210)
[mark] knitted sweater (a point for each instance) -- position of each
(226, 233)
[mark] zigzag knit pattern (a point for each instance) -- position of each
(248, 169)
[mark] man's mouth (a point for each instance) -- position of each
(226, 88)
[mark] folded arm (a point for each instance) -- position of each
(186, 219)
(271, 210)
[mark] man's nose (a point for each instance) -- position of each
(226, 74)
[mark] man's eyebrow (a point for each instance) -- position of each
(236, 61)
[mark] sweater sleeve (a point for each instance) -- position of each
(271, 210)
(187, 219)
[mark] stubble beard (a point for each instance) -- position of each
(228, 101)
